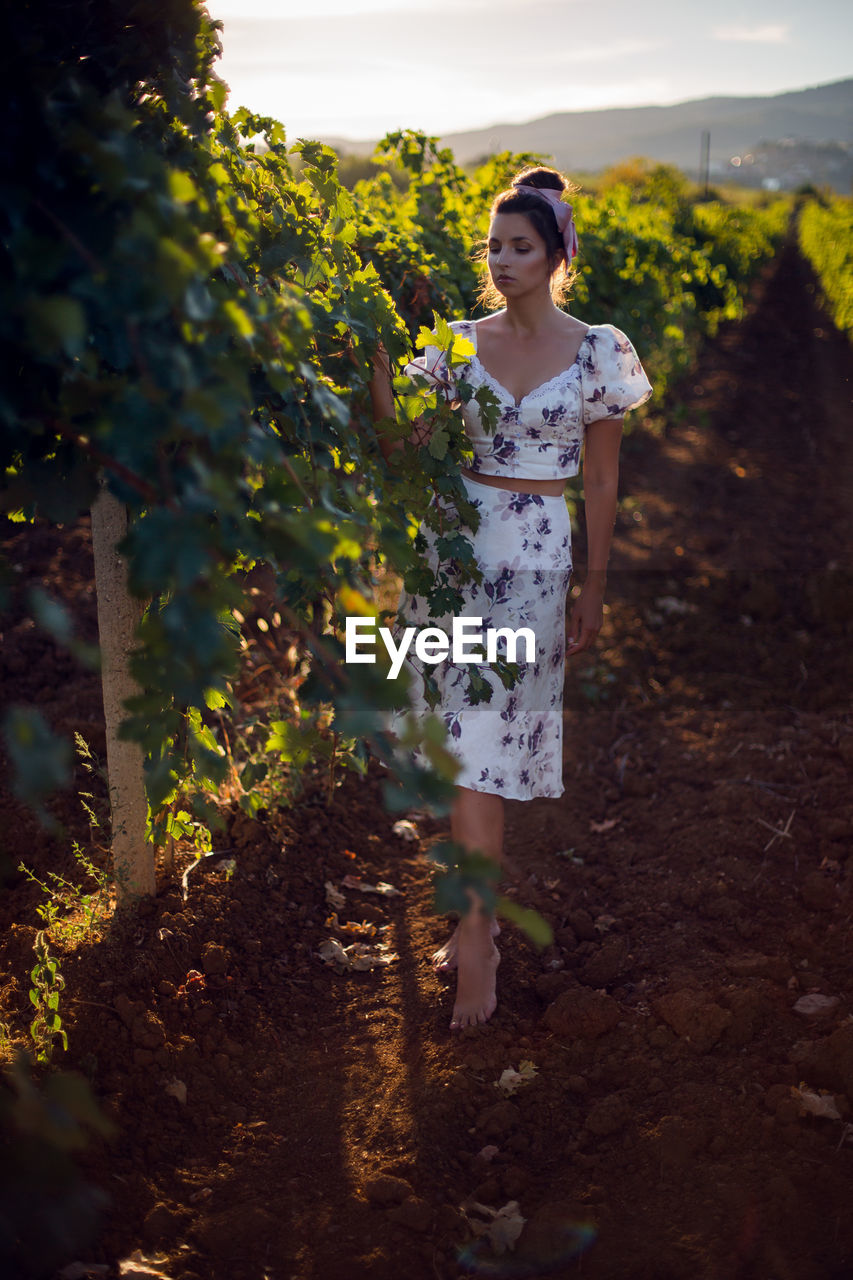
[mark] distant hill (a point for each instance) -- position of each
(587, 141)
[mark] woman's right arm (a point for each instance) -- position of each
(382, 400)
(382, 403)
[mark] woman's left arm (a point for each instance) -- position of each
(601, 492)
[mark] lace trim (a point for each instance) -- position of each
(469, 330)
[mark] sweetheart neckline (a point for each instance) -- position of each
(534, 390)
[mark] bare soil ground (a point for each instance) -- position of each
(697, 874)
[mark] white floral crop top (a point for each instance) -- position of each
(539, 438)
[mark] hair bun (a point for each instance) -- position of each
(540, 178)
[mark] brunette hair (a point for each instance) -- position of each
(516, 200)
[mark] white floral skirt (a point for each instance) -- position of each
(511, 745)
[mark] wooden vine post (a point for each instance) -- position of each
(118, 618)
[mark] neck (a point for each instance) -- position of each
(531, 313)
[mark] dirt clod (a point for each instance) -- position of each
(413, 1213)
(608, 1116)
(692, 1016)
(387, 1190)
(498, 1120)
(581, 1013)
(608, 964)
(214, 959)
(819, 892)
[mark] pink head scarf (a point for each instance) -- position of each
(562, 213)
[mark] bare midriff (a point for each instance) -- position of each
(550, 488)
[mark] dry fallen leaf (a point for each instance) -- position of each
(354, 882)
(606, 825)
(138, 1267)
(334, 897)
(504, 1227)
(815, 1104)
(177, 1089)
(811, 1005)
(512, 1080)
(358, 928)
(358, 955)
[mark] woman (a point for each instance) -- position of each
(561, 384)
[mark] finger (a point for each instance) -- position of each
(587, 637)
(574, 629)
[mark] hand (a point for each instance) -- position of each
(586, 620)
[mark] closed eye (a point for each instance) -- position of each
(495, 246)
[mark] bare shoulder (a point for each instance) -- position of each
(487, 324)
(573, 327)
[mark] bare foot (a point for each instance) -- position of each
(445, 959)
(477, 960)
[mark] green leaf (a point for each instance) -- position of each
(530, 922)
(181, 187)
(252, 774)
(57, 324)
(42, 761)
(438, 443)
(216, 699)
(51, 615)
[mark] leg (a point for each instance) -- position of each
(445, 959)
(477, 822)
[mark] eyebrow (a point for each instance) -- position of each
(513, 239)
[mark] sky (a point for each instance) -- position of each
(359, 68)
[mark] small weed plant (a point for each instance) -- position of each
(69, 914)
(6, 1042)
(47, 984)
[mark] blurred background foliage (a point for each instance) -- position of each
(47, 1209)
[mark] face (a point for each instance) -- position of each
(518, 257)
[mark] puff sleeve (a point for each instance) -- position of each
(612, 378)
